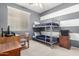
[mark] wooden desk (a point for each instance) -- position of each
(9, 46)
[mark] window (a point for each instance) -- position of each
(18, 20)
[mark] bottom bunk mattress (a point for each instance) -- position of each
(47, 38)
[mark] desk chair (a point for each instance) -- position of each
(25, 40)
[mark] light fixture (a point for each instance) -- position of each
(36, 4)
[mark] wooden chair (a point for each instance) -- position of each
(25, 40)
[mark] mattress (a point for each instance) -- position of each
(47, 38)
(44, 24)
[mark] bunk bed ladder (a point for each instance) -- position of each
(45, 36)
(51, 35)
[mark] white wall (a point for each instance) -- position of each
(74, 36)
(69, 23)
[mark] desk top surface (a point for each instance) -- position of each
(9, 46)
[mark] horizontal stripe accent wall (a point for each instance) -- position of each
(73, 29)
(57, 8)
(68, 19)
(74, 36)
(69, 23)
(75, 43)
(62, 18)
(65, 11)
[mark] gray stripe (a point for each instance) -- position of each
(73, 29)
(75, 43)
(64, 17)
(57, 8)
(69, 16)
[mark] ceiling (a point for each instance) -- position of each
(39, 7)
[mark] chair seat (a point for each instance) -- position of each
(22, 40)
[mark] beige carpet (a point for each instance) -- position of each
(39, 49)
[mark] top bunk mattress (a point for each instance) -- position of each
(48, 24)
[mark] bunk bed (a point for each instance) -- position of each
(51, 27)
